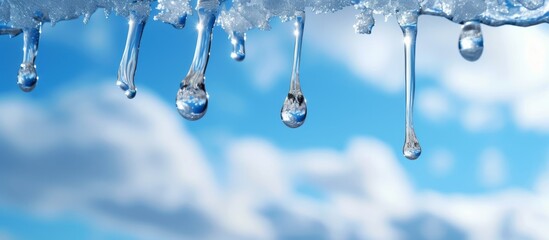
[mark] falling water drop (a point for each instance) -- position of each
(238, 40)
(27, 77)
(408, 24)
(471, 42)
(294, 110)
(128, 64)
(192, 98)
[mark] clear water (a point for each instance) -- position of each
(128, 64)
(471, 42)
(238, 40)
(27, 77)
(192, 98)
(294, 109)
(408, 24)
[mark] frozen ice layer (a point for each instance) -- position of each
(173, 12)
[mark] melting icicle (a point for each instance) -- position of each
(192, 98)
(27, 77)
(128, 64)
(408, 24)
(238, 41)
(471, 42)
(294, 110)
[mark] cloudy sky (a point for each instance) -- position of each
(80, 161)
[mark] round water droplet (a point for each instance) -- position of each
(294, 110)
(192, 101)
(471, 42)
(411, 148)
(27, 77)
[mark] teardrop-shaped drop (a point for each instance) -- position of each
(192, 101)
(294, 110)
(27, 76)
(192, 98)
(471, 42)
(411, 148)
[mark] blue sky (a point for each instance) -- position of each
(80, 161)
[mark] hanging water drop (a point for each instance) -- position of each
(294, 109)
(192, 98)
(238, 41)
(471, 42)
(27, 77)
(128, 64)
(408, 24)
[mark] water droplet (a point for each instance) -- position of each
(192, 101)
(471, 42)
(192, 98)
(27, 77)
(238, 41)
(294, 109)
(128, 64)
(411, 149)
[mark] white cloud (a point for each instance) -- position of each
(132, 166)
(492, 167)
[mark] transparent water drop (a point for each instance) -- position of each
(192, 98)
(238, 41)
(408, 24)
(294, 109)
(128, 64)
(27, 77)
(471, 42)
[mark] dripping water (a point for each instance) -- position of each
(128, 64)
(408, 24)
(27, 77)
(294, 110)
(471, 42)
(238, 40)
(192, 98)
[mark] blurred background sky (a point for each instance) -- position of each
(80, 161)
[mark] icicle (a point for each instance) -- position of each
(27, 77)
(192, 98)
(238, 40)
(128, 64)
(408, 24)
(294, 110)
(471, 42)
(12, 32)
